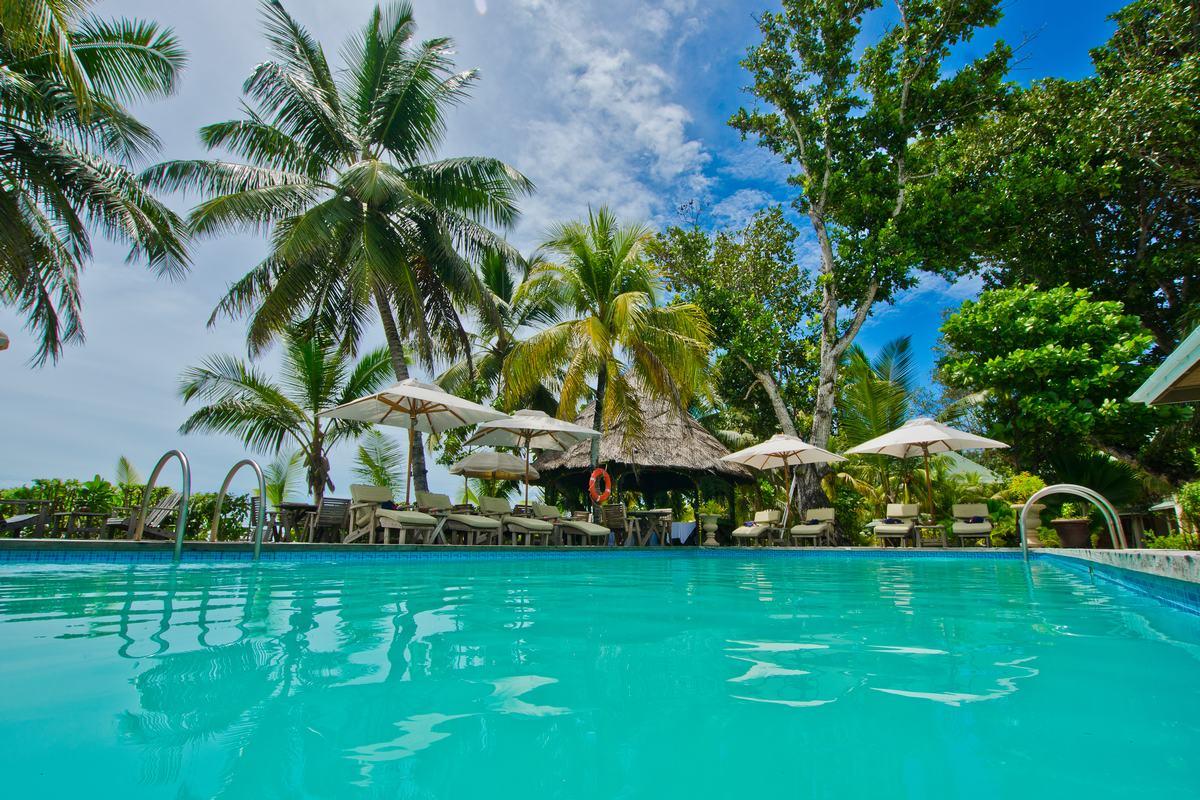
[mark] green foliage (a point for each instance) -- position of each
(1021, 487)
(1056, 368)
(69, 144)
(235, 516)
(380, 461)
(283, 476)
(856, 119)
(618, 330)
(267, 415)
(760, 303)
(334, 163)
(1094, 182)
(97, 495)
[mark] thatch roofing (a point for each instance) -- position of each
(673, 451)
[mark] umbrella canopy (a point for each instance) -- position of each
(531, 430)
(417, 406)
(782, 450)
(921, 437)
(492, 466)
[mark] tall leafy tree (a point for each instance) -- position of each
(508, 312)
(362, 225)
(1094, 182)
(271, 416)
(380, 461)
(854, 118)
(67, 148)
(618, 332)
(759, 301)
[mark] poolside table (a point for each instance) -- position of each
(937, 535)
(654, 520)
(291, 515)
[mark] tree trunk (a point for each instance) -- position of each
(767, 381)
(395, 345)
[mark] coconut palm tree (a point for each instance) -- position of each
(380, 461)
(67, 146)
(282, 476)
(362, 225)
(619, 333)
(508, 310)
(270, 415)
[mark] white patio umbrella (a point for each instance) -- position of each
(921, 437)
(785, 451)
(493, 466)
(531, 430)
(417, 406)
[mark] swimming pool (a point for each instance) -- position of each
(606, 676)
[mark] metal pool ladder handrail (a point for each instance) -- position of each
(1107, 510)
(262, 503)
(181, 524)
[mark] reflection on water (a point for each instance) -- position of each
(570, 678)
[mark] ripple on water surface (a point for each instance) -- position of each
(592, 678)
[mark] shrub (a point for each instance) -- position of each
(235, 516)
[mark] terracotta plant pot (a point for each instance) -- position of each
(1074, 532)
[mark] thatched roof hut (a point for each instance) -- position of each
(673, 452)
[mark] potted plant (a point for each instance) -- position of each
(710, 516)
(1073, 526)
(1021, 487)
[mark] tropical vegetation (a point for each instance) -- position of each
(68, 146)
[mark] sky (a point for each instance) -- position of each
(600, 102)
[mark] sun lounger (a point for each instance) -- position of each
(766, 523)
(516, 525)
(156, 519)
(368, 516)
(584, 531)
(971, 522)
(817, 528)
(902, 529)
(333, 514)
(459, 521)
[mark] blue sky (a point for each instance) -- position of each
(620, 102)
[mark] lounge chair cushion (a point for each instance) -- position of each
(751, 531)
(810, 528)
(362, 493)
(894, 530)
(579, 526)
(528, 523)
(404, 519)
(972, 528)
(474, 521)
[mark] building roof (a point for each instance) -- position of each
(1177, 380)
(673, 451)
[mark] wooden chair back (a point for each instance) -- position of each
(904, 511)
(333, 512)
(969, 510)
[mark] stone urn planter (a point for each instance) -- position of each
(1033, 521)
(708, 523)
(1073, 531)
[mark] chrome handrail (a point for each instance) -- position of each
(181, 525)
(262, 504)
(1111, 519)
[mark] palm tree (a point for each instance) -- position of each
(281, 477)
(267, 415)
(380, 461)
(67, 145)
(508, 309)
(621, 335)
(361, 225)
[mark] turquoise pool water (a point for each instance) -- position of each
(593, 677)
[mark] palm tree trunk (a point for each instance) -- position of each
(420, 476)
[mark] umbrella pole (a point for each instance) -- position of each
(412, 438)
(788, 473)
(928, 481)
(527, 443)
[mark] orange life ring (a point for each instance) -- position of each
(598, 474)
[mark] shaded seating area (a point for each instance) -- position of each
(972, 524)
(521, 528)
(373, 511)
(816, 529)
(766, 526)
(899, 526)
(569, 530)
(459, 524)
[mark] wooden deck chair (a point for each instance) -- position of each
(368, 516)
(459, 521)
(270, 521)
(515, 525)
(615, 517)
(817, 528)
(971, 522)
(901, 530)
(566, 528)
(766, 523)
(333, 513)
(156, 519)
(16, 523)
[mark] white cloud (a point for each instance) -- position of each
(737, 209)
